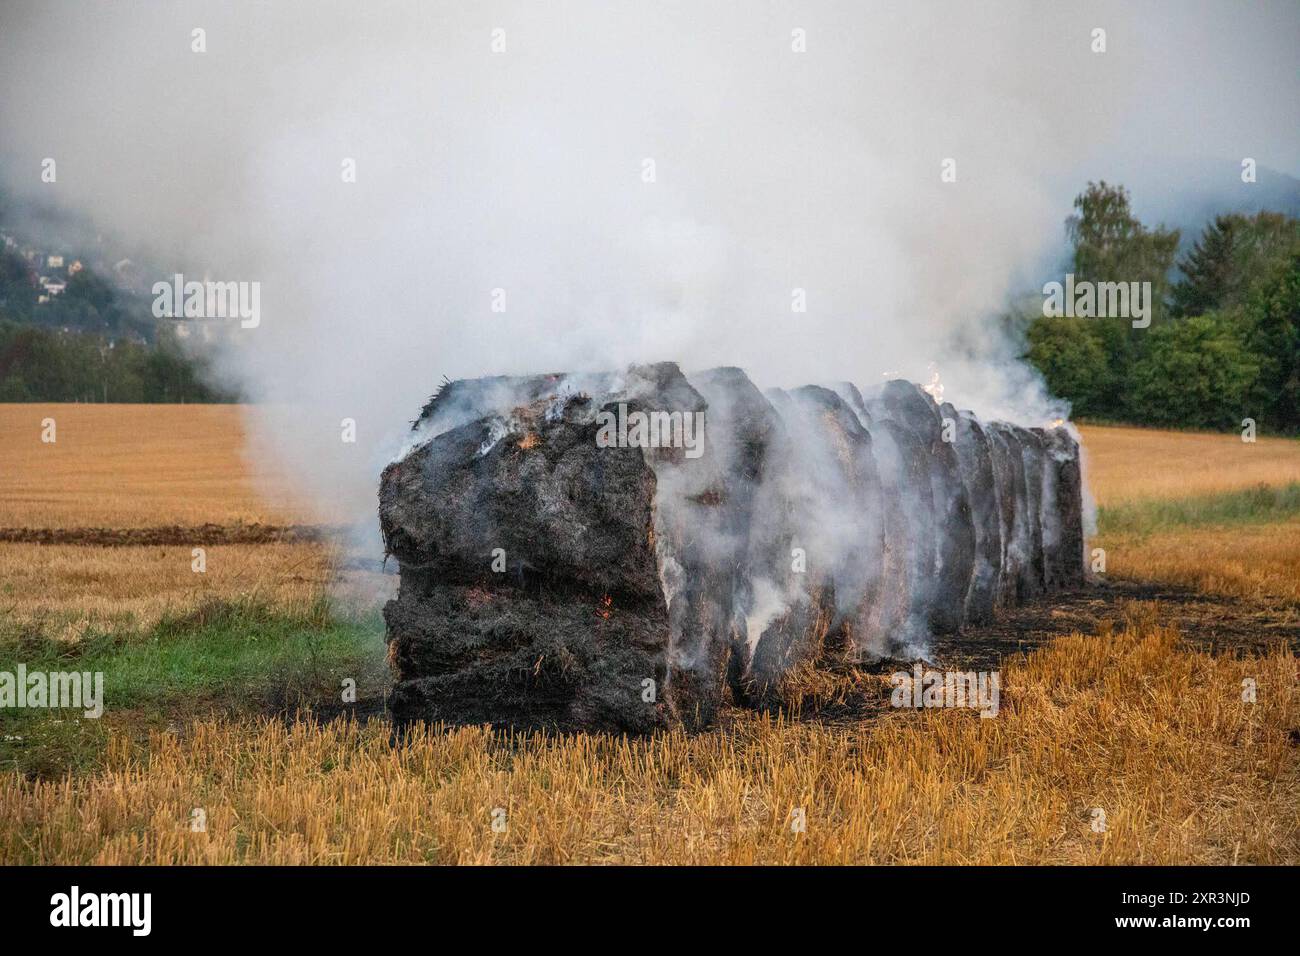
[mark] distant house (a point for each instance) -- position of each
(53, 286)
(74, 267)
(54, 262)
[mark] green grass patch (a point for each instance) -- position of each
(1258, 505)
(227, 657)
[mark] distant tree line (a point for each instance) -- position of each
(1224, 340)
(49, 365)
(92, 343)
(1223, 344)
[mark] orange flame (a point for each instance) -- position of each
(935, 388)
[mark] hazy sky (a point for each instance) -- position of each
(524, 170)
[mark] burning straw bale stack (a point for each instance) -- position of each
(581, 552)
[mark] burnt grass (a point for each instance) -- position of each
(1209, 623)
(1219, 625)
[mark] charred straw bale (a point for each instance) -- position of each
(559, 573)
(1062, 510)
(954, 534)
(779, 617)
(975, 458)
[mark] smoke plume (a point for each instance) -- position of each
(633, 182)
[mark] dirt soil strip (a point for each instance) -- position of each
(204, 534)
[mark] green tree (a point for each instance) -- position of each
(17, 292)
(1272, 333)
(91, 288)
(1072, 359)
(50, 365)
(1112, 245)
(1232, 256)
(1197, 373)
(1206, 269)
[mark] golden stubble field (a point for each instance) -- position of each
(1259, 562)
(1131, 721)
(1124, 463)
(1144, 754)
(135, 467)
(129, 466)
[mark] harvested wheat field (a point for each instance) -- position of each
(1126, 463)
(1156, 739)
(1253, 562)
(130, 466)
(67, 589)
(1208, 512)
(98, 528)
(228, 681)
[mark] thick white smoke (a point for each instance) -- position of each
(525, 170)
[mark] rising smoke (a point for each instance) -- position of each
(524, 171)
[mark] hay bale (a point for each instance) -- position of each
(949, 521)
(550, 581)
(1034, 576)
(1062, 510)
(833, 489)
(784, 590)
(975, 457)
(585, 581)
(1009, 479)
